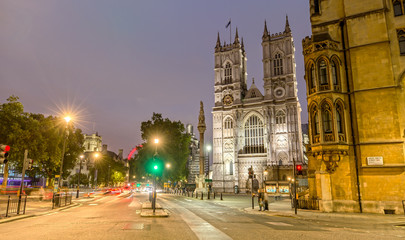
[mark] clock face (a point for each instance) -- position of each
(228, 99)
(279, 92)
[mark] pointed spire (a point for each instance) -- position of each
(243, 45)
(265, 32)
(287, 25)
(218, 42)
(236, 37)
(253, 81)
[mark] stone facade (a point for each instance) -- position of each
(249, 128)
(355, 75)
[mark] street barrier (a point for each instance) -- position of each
(61, 199)
(311, 204)
(12, 205)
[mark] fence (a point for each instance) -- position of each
(13, 203)
(308, 204)
(61, 199)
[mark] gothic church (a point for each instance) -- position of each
(250, 128)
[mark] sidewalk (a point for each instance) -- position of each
(283, 208)
(34, 208)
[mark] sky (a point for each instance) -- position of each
(114, 63)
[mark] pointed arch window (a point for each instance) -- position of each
(254, 135)
(316, 6)
(230, 168)
(311, 79)
(278, 64)
(228, 73)
(315, 125)
(401, 40)
(399, 7)
(281, 125)
(327, 123)
(340, 124)
(335, 74)
(323, 73)
(228, 127)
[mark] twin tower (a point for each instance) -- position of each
(251, 128)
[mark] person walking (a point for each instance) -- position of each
(266, 201)
(260, 199)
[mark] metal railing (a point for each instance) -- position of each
(61, 199)
(12, 205)
(312, 204)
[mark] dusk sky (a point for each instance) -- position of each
(117, 62)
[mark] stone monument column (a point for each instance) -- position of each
(201, 128)
(201, 187)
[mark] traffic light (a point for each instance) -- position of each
(155, 166)
(4, 153)
(251, 172)
(299, 169)
(30, 163)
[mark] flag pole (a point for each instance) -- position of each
(230, 32)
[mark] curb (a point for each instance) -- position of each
(19, 217)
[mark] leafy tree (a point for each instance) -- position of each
(106, 167)
(173, 148)
(43, 138)
(84, 179)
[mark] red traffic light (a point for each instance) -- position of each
(299, 167)
(5, 148)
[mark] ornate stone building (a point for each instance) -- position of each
(355, 75)
(251, 128)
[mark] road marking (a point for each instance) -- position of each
(201, 228)
(279, 224)
(93, 204)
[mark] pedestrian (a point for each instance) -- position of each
(266, 202)
(41, 193)
(260, 199)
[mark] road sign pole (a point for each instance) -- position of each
(22, 180)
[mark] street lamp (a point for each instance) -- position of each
(67, 119)
(78, 177)
(96, 155)
(168, 165)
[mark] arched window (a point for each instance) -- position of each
(228, 127)
(278, 64)
(316, 126)
(281, 122)
(230, 168)
(228, 73)
(398, 7)
(316, 6)
(402, 45)
(339, 118)
(334, 73)
(323, 73)
(327, 118)
(254, 135)
(311, 79)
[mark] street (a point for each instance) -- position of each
(118, 217)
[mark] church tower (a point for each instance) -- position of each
(230, 72)
(251, 129)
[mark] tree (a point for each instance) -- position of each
(41, 136)
(107, 167)
(84, 179)
(173, 148)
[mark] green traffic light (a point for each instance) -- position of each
(155, 167)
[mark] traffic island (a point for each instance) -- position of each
(147, 210)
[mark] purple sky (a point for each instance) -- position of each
(119, 61)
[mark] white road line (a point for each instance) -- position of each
(279, 224)
(201, 228)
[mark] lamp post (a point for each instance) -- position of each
(96, 155)
(208, 163)
(67, 119)
(78, 177)
(154, 178)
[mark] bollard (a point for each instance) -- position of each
(192, 194)
(209, 195)
(221, 197)
(196, 194)
(202, 196)
(214, 195)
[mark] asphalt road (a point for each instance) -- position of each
(118, 217)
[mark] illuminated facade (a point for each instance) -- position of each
(355, 62)
(251, 128)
